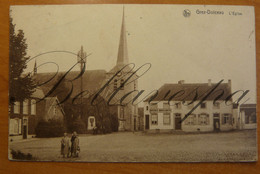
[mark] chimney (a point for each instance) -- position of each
(181, 82)
(229, 83)
(209, 82)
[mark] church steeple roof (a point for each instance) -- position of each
(122, 57)
(35, 68)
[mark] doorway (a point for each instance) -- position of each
(177, 121)
(134, 124)
(216, 122)
(25, 127)
(147, 123)
(25, 132)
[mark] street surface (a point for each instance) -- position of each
(141, 147)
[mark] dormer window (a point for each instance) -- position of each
(203, 105)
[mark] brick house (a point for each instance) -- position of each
(25, 115)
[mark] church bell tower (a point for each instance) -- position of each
(127, 114)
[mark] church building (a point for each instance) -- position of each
(121, 82)
(127, 113)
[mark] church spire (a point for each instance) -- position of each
(122, 57)
(35, 68)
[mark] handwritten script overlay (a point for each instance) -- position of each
(130, 75)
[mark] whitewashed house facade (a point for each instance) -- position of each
(166, 112)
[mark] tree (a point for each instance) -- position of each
(50, 128)
(21, 86)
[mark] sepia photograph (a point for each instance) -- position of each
(132, 83)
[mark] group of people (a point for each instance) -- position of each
(68, 150)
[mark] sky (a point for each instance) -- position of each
(194, 48)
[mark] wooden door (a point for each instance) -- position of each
(177, 123)
(147, 123)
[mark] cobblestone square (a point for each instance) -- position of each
(142, 147)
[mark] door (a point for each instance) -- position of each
(178, 122)
(24, 132)
(25, 127)
(216, 122)
(134, 124)
(147, 123)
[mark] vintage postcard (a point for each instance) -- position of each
(132, 83)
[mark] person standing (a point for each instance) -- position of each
(65, 145)
(75, 145)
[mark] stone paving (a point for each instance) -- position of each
(143, 147)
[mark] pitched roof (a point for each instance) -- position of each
(92, 80)
(122, 57)
(251, 105)
(51, 102)
(124, 68)
(38, 93)
(188, 92)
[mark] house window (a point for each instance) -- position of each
(147, 108)
(203, 119)
(250, 118)
(25, 106)
(166, 119)
(216, 105)
(17, 107)
(25, 121)
(191, 120)
(15, 126)
(203, 105)
(115, 84)
(154, 119)
(178, 105)
(226, 118)
(122, 84)
(33, 107)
